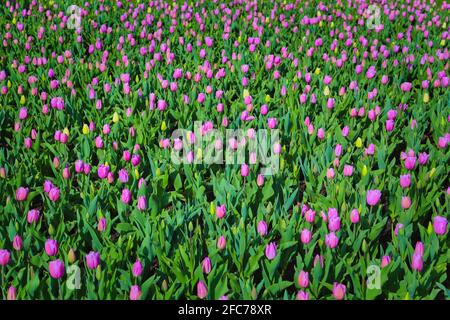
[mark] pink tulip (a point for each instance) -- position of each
(56, 269)
(51, 247)
(373, 197)
(135, 292)
(92, 259)
(339, 291)
(202, 290)
(440, 225)
(305, 236)
(271, 250)
(4, 257)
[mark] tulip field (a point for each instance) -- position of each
(312, 164)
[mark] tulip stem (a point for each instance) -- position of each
(93, 282)
(59, 290)
(3, 283)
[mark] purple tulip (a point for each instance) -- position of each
(303, 279)
(419, 248)
(221, 211)
(51, 247)
(21, 194)
(56, 269)
(206, 265)
(339, 291)
(262, 228)
(348, 170)
(79, 166)
(221, 243)
(334, 224)
(271, 250)
(385, 261)
(244, 170)
(202, 290)
(135, 160)
(142, 203)
(423, 158)
(4, 257)
(54, 194)
(302, 295)
(126, 196)
(123, 175)
(417, 262)
(92, 259)
(33, 216)
(318, 259)
(305, 236)
(405, 181)
(17, 243)
(12, 293)
(331, 240)
(440, 225)
(354, 216)
(102, 171)
(135, 292)
(373, 197)
(137, 268)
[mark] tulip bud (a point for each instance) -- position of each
(221, 243)
(303, 279)
(17, 243)
(164, 285)
(98, 273)
(12, 293)
(137, 268)
(2, 172)
(202, 290)
(71, 257)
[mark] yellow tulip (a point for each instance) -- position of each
(326, 91)
(358, 143)
(246, 93)
(85, 129)
(317, 71)
(267, 99)
(426, 97)
(163, 126)
(66, 131)
(22, 100)
(115, 117)
(364, 171)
